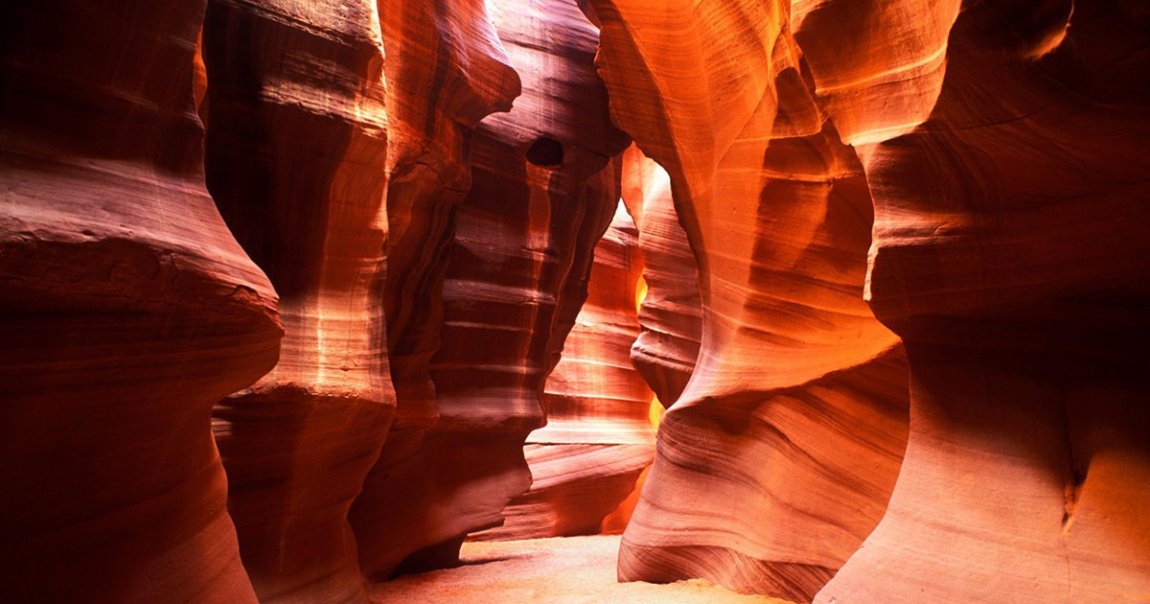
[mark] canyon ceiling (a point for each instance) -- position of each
(298, 295)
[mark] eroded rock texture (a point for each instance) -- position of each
(129, 310)
(446, 70)
(296, 153)
(779, 456)
(598, 437)
(974, 170)
(542, 193)
(1012, 253)
(671, 311)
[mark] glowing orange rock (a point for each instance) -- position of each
(296, 152)
(1012, 247)
(670, 311)
(543, 190)
(779, 456)
(598, 439)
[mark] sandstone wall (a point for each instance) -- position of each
(128, 311)
(296, 158)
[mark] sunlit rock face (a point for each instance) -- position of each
(445, 71)
(598, 437)
(852, 212)
(1012, 253)
(671, 311)
(779, 457)
(296, 153)
(543, 190)
(129, 310)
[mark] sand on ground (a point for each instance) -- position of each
(573, 570)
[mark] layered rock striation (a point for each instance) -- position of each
(598, 437)
(446, 70)
(296, 158)
(543, 190)
(779, 456)
(670, 312)
(1011, 253)
(129, 310)
(856, 196)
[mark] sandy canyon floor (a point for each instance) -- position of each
(576, 570)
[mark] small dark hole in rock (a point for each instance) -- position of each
(545, 152)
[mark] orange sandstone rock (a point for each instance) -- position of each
(778, 458)
(1011, 253)
(129, 310)
(296, 153)
(671, 311)
(445, 71)
(542, 193)
(598, 438)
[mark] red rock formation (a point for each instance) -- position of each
(671, 313)
(296, 153)
(1012, 253)
(997, 147)
(446, 70)
(542, 194)
(128, 308)
(598, 439)
(780, 455)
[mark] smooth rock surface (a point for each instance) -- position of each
(851, 211)
(445, 71)
(128, 311)
(671, 312)
(543, 189)
(1016, 273)
(598, 437)
(779, 457)
(296, 158)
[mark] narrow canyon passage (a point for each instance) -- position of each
(574, 301)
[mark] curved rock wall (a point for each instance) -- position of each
(671, 311)
(972, 170)
(296, 153)
(598, 438)
(129, 310)
(446, 70)
(1012, 247)
(543, 188)
(779, 457)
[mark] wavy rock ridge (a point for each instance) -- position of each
(598, 437)
(959, 127)
(671, 311)
(897, 257)
(1011, 274)
(129, 310)
(543, 188)
(296, 151)
(446, 70)
(778, 458)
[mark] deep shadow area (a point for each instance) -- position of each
(545, 152)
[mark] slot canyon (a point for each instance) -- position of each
(575, 301)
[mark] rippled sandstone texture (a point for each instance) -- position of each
(999, 145)
(1012, 254)
(779, 457)
(598, 437)
(446, 70)
(671, 311)
(515, 277)
(129, 310)
(296, 153)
